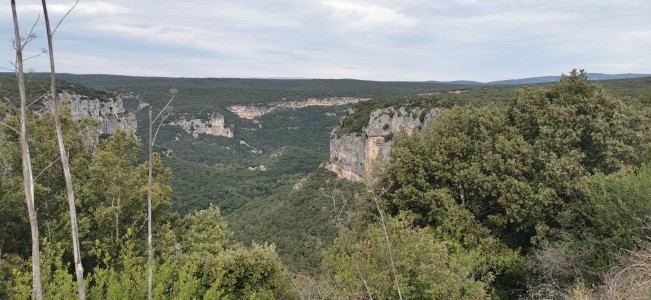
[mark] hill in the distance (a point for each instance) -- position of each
(547, 79)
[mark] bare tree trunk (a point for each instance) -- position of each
(27, 163)
(79, 269)
(164, 113)
(149, 232)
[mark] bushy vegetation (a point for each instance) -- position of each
(543, 196)
(194, 256)
(299, 219)
(38, 87)
(531, 176)
(356, 121)
(537, 193)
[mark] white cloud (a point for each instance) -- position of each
(99, 8)
(367, 16)
(82, 8)
(366, 39)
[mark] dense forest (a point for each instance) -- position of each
(538, 192)
(279, 136)
(541, 195)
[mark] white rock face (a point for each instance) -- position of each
(214, 126)
(354, 156)
(110, 113)
(251, 112)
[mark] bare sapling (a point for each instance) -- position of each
(163, 114)
(28, 181)
(79, 269)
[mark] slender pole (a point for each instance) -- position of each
(149, 231)
(79, 269)
(28, 181)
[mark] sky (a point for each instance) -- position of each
(384, 40)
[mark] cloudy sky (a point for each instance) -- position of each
(413, 40)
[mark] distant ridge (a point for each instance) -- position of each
(531, 80)
(546, 79)
(466, 82)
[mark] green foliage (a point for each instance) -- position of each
(197, 162)
(518, 169)
(546, 174)
(231, 186)
(205, 232)
(38, 87)
(49, 183)
(299, 220)
(204, 267)
(429, 266)
(355, 122)
(544, 190)
(253, 273)
(612, 216)
(14, 269)
(111, 189)
(114, 202)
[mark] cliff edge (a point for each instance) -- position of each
(353, 156)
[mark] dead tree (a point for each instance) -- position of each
(163, 114)
(28, 181)
(79, 269)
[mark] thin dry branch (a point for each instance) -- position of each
(10, 103)
(14, 129)
(64, 17)
(173, 92)
(38, 99)
(47, 167)
(34, 56)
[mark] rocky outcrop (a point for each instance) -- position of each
(213, 126)
(109, 113)
(253, 111)
(353, 156)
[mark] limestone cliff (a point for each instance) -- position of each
(109, 113)
(213, 126)
(251, 112)
(353, 156)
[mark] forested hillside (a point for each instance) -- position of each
(510, 192)
(192, 258)
(539, 195)
(215, 169)
(538, 198)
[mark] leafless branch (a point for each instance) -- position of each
(14, 129)
(173, 92)
(31, 36)
(48, 166)
(35, 55)
(10, 103)
(300, 291)
(64, 17)
(37, 99)
(160, 124)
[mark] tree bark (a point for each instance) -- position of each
(28, 181)
(79, 269)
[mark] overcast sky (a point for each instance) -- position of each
(414, 40)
